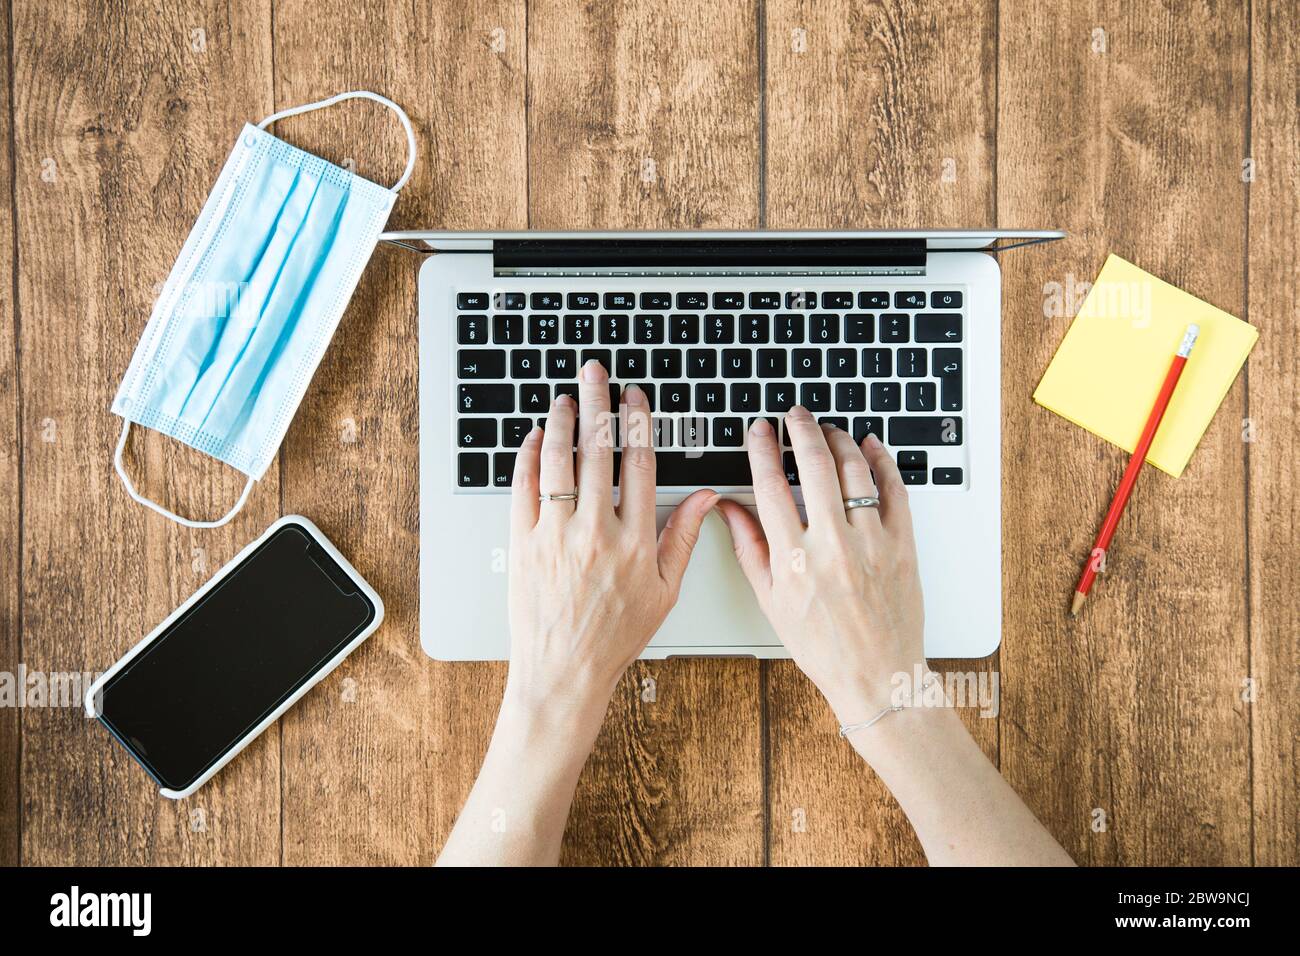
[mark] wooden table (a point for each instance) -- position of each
(1168, 136)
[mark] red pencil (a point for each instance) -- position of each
(1098, 556)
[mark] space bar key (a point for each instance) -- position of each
(706, 468)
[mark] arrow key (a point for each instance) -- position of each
(938, 327)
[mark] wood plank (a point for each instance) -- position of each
(1132, 710)
(1273, 408)
(123, 118)
(878, 115)
(379, 760)
(641, 117)
(10, 615)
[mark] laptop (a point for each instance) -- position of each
(896, 333)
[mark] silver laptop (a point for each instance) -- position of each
(892, 332)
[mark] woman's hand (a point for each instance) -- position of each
(843, 592)
(590, 584)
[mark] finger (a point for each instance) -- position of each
(749, 545)
(895, 513)
(776, 508)
(636, 484)
(595, 439)
(822, 496)
(524, 487)
(855, 476)
(677, 540)
(556, 470)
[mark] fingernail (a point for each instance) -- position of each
(534, 435)
(633, 395)
(593, 371)
(798, 412)
(565, 400)
(873, 441)
(761, 427)
(829, 426)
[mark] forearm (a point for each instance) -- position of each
(963, 811)
(518, 808)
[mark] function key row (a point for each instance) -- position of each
(626, 301)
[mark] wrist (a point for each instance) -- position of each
(577, 707)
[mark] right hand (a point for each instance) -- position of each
(842, 592)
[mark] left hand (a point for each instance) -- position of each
(590, 583)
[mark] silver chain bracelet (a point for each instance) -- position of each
(893, 708)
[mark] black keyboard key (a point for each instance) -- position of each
(920, 397)
(546, 301)
(508, 301)
(471, 300)
(583, 301)
(947, 476)
(780, 396)
(656, 300)
(507, 329)
(745, 397)
(938, 327)
(648, 329)
(710, 397)
(859, 327)
(771, 363)
(525, 363)
(801, 300)
(924, 430)
(947, 367)
(911, 363)
(823, 328)
(837, 300)
(692, 433)
(719, 329)
(815, 396)
(893, 327)
(753, 329)
(485, 399)
(630, 363)
(684, 329)
(481, 363)
(476, 432)
(850, 397)
(765, 300)
(648, 389)
(561, 363)
(729, 300)
(791, 467)
(604, 356)
(579, 329)
(789, 328)
(614, 329)
(694, 469)
(836, 421)
(666, 363)
(887, 397)
(472, 329)
(534, 398)
(877, 363)
(806, 363)
(913, 459)
(675, 397)
(913, 476)
(514, 431)
(873, 300)
(737, 363)
(945, 300)
(661, 434)
(868, 425)
(697, 301)
(841, 363)
(701, 363)
(503, 469)
(563, 388)
(620, 300)
(728, 433)
(543, 330)
(909, 300)
(473, 469)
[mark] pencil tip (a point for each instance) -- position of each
(1077, 605)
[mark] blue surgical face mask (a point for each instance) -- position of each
(252, 302)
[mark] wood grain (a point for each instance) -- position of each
(379, 759)
(10, 493)
(641, 117)
(879, 115)
(1273, 409)
(122, 119)
(1123, 729)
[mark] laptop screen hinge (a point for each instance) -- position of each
(707, 257)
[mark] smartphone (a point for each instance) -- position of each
(229, 661)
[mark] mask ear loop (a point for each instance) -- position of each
(154, 506)
(365, 95)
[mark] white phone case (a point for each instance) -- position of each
(320, 675)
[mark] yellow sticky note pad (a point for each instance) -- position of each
(1109, 369)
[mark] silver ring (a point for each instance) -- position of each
(569, 497)
(851, 503)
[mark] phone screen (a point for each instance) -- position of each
(233, 657)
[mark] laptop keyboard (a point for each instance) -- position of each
(880, 360)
